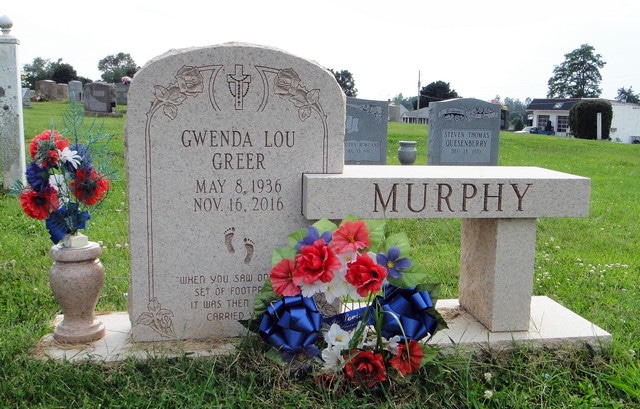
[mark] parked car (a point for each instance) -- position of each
(528, 129)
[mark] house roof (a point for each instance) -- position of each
(553, 104)
(420, 113)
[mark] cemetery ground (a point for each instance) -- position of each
(590, 265)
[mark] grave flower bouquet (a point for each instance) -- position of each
(347, 304)
(61, 184)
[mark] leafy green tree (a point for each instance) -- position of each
(583, 119)
(114, 67)
(627, 95)
(436, 91)
(578, 76)
(346, 82)
(62, 73)
(408, 103)
(38, 70)
(517, 123)
(84, 80)
(517, 111)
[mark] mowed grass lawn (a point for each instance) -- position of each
(590, 265)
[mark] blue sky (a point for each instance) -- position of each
(483, 49)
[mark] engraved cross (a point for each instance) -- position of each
(238, 85)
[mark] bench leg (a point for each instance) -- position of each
(496, 271)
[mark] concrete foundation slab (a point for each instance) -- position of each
(551, 325)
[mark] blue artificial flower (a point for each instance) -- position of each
(66, 220)
(300, 357)
(312, 235)
(84, 152)
(392, 262)
(300, 353)
(37, 177)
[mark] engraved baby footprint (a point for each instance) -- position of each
(228, 238)
(249, 246)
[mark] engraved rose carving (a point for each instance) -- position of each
(169, 99)
(287, 83)
(190, 80)
(158, 318)
(287, 86)
(189, 83)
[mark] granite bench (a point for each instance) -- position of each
(498, 206)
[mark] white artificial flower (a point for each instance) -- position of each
(337, 338)
(308, 290)
(337, 288)
(70, 156)
(391, 344)
(331, 358)
(57, 181)
(347, 257)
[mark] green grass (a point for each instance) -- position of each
(590, 265)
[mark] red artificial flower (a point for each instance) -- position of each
(351, 237)
(58, 142)
(38, 205)
(51, 159)
(365, 367)
(365, 275)
(407, 360)
(316, 261)
(282, 278)
(89, 187)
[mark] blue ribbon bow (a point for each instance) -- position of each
(405, 313)
(291, 322)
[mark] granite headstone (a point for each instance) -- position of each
(463, 131)
(100, 97)
(48, 88)
(26, 98)
(62, 91)
(365, 140)
(121, 93)
(75, 91)
(217, 139)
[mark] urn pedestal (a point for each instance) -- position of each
(76, 279)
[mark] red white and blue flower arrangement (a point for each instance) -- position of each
(326, 268)
(62, 183)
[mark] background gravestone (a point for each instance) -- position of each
(121, 93)
(48, 88)
(365, 140)
(217, 141)
(100, 97)
(62, 91)
(463, 131)
(75, 91)
(26, 98)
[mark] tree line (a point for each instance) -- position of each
(113, 67)
(578, 76)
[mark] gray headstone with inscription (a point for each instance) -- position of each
(217, 140)
(75, 91)
(463, 131)
(121, 93)
(365, 140)
(100, 97)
